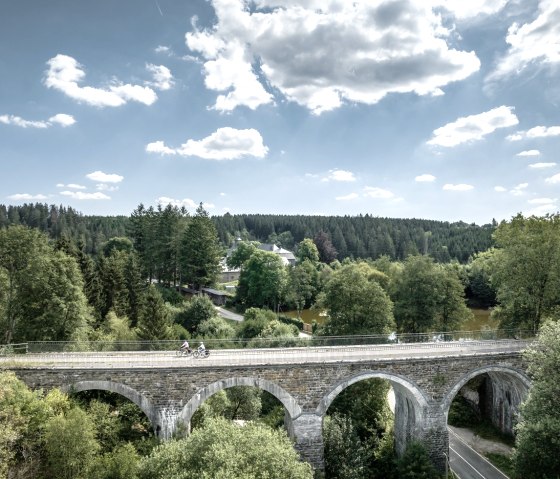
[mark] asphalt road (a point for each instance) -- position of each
(299, 355)
(224, 313)
(466, 463)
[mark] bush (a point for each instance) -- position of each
(294, 321)
(462, 414)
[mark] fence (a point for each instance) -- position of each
(257, 343)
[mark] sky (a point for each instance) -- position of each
(433, 109)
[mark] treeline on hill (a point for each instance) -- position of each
(64, 221)
(362, 236)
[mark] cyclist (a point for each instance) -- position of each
(185, 346)
(201, 348)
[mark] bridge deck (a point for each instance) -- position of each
(259, 357)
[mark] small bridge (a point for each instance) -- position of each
(425, 378)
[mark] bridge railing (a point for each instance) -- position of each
(13, 349)
(277, 342)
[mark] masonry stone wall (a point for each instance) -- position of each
(424, 389)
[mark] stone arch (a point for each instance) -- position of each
(411, 404)
(131, 394)
(290, 404)
(508, 386)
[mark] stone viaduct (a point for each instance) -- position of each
(425, 380)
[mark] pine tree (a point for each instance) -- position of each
(200, 251)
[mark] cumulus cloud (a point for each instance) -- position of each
(187, 202)
(542, 201)
(73, 186)
(27, 197)
(162, 77)
(536, 132)
(542, 165)
(500, 189)
(529, 153)
(106, 187)
(348, 197)
(532, 44)
(80, 195)
(163, 49)
(463, 10)
(322, 54)
(553, 180)
(159, 147)
(458, 187)
(519, 189)
(426, 178)
(474, 127)
(65, 74)
(375, 192)
(541, 210)
(339, 175)
(61, 119)
(224, 144)
(105, 177)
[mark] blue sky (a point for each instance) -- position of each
(440, 109)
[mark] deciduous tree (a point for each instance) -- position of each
(356, 303)
(225, 450)
(537, 452)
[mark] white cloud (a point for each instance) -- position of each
(542, 210)
(458, 187)
(536, 132)
(104, 177)
(375, 192)
(463, 9)
(105, 187)
(555, 179)
(348, 197)
(187, 202)
(529, 153)
(65, 74)
(542, 201)
(60, 118)
(27, 197)
(321, 54)
(163, 49)
(222, 194)
(159, 147)
(474, 127)
(426, 178)
(163, 79)
(18, 121)
(73, 186)
(80, 195)
(224, 144)
(500, 189)
(531, 44)
(542, 165)
(519, 189)
(339, 175)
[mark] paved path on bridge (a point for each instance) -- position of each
(466, 463)
(257, 357)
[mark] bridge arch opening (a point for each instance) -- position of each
(143, 403)
(403, 397)
(492, 394)
(291, 407)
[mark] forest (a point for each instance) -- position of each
(97, 281)
(363, 236)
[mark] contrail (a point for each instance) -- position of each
(159, 8)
